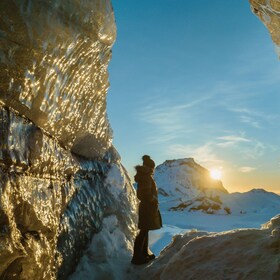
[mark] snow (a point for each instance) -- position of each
(180, 222)
(109, 252)
(184, 181)
(192, 244)
(237, 254)
(108, 255)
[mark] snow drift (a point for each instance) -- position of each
(238, 254)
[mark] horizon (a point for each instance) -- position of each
(197, 80)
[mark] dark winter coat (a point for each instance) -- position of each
(149, 215)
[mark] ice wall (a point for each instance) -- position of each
(269, 13)
(54, 56)
(55, 140)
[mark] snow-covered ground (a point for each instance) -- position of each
(192, 244)
(180, 222)
(251, 254)
(184, 182)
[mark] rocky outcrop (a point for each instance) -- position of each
(55, 140)
(269, 13)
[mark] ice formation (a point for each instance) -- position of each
(55, 139)
(54, 57)
(269, 13)
(61, 180)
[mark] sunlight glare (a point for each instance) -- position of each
(216, 174)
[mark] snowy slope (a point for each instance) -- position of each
(191, 244)
(184, 177)
(251, 254)
(185, 185)
(254, 201)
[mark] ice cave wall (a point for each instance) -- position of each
(54, 57)
(269, 13)
(55, 139)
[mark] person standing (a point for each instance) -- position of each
(149, 217)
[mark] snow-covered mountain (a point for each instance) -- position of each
(184, 177)
(254, 201)
(185, 185)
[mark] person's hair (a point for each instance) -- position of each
(147, 161)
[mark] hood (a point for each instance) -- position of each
(144, 169)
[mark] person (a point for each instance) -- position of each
(149, 217)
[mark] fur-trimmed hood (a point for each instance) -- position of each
(144, 169)
(144, 173)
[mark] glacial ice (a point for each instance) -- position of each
(54, 57)
(53, 201)
(268, 12)
(55, 138)
(61, 179)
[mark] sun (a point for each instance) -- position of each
(216, 174)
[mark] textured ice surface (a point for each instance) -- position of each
(52, 202)
(269, 14)
(55, 139)
(54, 57)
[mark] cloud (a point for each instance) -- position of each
(250, 121)
(247, 148)
(232, 140)
(246, 169)
(168, 121)
(204, 154)
(256, 150)
(254, 118)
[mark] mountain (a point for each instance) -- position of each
(185, 185)
(185, 177)
(254, 201)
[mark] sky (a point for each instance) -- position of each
(197, 79)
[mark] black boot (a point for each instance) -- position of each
(138, 256)
(139, 260)
(146, 249)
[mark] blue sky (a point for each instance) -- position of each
(197, 79)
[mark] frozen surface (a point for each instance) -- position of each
(56, 155)
(238, 254)
(189, 194)
(54, 57)
(269, 14)
(52, 202)
(249, 210)
(186, 253)
(194, 244)
(108, 255)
